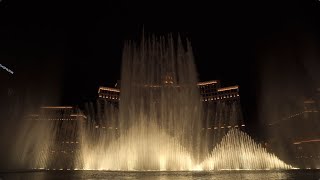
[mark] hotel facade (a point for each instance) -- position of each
(298, 135)
(222, 109)
(61, 139)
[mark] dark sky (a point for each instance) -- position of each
(61, 51)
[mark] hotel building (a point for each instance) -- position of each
(221, 104)
(67, 118)
(298, 135)
(62, 124)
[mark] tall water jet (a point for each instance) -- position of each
(159, 121)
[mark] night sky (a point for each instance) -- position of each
(62, 51)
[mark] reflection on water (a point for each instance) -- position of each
(203, 175)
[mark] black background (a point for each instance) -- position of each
(62, 51)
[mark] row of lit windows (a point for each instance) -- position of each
(71, 142)
(207, 87)
(300, 157)
(65, 152)
(205, 99)
(59, 119)
(220, 97)
(308, 111)
(103, 127)
(110, 97)
(222, 127)
(56, 169)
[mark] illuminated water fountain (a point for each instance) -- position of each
(158, 125)
(238, 151)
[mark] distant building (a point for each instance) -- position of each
(110, 95)
(222, 105)
(62, 123)
(67, 118)
(107, 97)
(222, 110)
(298, 135)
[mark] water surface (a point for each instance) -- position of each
(200, 175)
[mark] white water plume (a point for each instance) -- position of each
(159, 122)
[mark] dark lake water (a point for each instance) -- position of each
(229, 175)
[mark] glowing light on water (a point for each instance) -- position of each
(197, 168)
(237, 151)
(139, 150)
